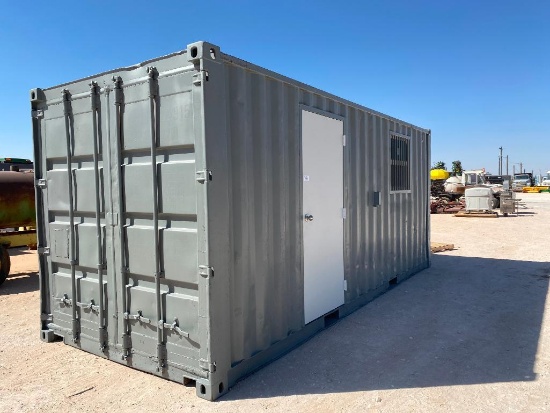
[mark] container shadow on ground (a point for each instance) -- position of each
(14, 252)
(463, 321)
(20, 283)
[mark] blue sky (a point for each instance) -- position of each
(475, 72)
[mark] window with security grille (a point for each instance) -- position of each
(400, 155)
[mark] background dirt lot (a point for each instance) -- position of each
(472, 333)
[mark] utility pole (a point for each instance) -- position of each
(520, 168)
(500, 162)
(507, 165)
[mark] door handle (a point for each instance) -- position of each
(308, 217)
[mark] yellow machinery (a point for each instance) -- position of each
(437, 174)
(535, 189)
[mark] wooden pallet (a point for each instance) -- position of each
(477, 214)
(438, 247)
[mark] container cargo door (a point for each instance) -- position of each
(156, 205)
(122, 205)
(322, 166)
(75, 203)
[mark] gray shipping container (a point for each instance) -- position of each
(198, 216)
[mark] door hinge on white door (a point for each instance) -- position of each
(344, 213)
(345, 285)
(343, 140)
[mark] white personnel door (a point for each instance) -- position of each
(323, 227)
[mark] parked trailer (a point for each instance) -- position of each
(16, 210)
(16, 164)
(199, 216)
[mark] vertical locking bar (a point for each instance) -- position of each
(67, 113)
(119, 103)
(37, 96)
(94, 96)
(153, 107)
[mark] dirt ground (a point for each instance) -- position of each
(470, 334)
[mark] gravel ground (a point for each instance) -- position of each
(472, 333)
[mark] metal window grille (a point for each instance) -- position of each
(400, 162)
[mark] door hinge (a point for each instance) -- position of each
(41, 183)
(200, 77)
(343, 140)
(204, 176)
(43, 250)
(344, 213)
(37, 114)
(208, 366)
(345, 285)
(206, 271)
(46, 317)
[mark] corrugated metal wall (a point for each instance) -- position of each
(267, 293)
(264, 143)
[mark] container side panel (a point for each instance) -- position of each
(265, 198)
(384, 233)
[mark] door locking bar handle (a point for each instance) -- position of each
(139, 317)
(64, 300)
(175, 327)
(89, 306)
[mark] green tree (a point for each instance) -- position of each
(457, 168)
(439, 165)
